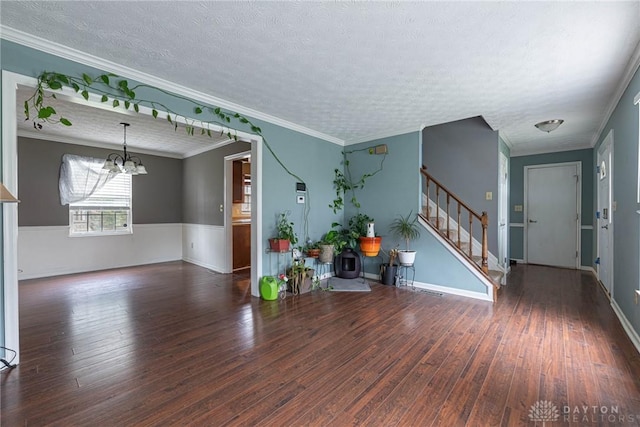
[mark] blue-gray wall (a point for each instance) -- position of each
(396, 191)
(626, 235)
(311, 158)
(463, 156)
(517, 166)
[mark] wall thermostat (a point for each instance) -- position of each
(301, 187)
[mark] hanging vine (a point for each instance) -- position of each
(344, 183)
(118, 91)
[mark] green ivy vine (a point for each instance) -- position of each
(120, 93)
(344, 183)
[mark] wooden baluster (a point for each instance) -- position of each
(485, 243)
(448, 219)
(470, 234)
(428, 200)
(438, 207)
(459, 212)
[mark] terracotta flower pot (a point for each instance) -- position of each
(313, 253)
(279, 245)
(370, 246)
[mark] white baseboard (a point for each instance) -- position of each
(454, 291)
(205, 245)
(626, 325)
(589, 268)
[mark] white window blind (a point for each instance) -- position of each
(115, 194)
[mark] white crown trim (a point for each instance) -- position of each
(519, 152)
(34, 42)
(386, 134)
(632, 67)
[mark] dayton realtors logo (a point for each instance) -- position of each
(545, 411)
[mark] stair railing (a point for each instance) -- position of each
(462, 207)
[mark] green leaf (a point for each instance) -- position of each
(127, 104)
(44, 113)
(228, 119)
(124, 85)
(75, 87)
(217, 110)
(53, 95)
(55, 85)
(26, 109)
(87, 79)
(209, 132)
(85, 95)
(116, 103)
(104, 98)
(202, 131)
(105, 79)
(169, 119)
(198, 110)
(154, 113)
(131, 94)
(62, 78)
(65, 121)
(236, 115)
(243, 120)
(136, 108)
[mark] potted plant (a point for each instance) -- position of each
(312, 249)
(406, 228)
(332, 242)
(361, 227)
(286, 235)
(300, 278)
(389, 271)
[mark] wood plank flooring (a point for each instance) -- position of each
(175, 344)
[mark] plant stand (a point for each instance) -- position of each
(403, 271)
(363, 262)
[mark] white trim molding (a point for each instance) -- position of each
(516, 224)
(626, 325)
(80, 57)
(453, 291)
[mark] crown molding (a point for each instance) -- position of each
(506, 139)
(541, 150)
(34, 42)
(385, 134)
(208, 148)
(632, 67)
(76, 141)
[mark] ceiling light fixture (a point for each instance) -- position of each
(549, 125)
(128, 164)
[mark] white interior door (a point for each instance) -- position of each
(605, 213)
(503, 210)
(552, 217)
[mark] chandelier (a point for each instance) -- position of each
(125, 163)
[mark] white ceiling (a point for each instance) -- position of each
(357, 70)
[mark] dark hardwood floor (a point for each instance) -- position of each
(175, 344)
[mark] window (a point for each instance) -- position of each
(106, 211)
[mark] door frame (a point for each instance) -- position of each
(608, 141)
(578, 165)
(228, 203)
(503, 208)
(9, 237)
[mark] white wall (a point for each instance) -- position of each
(205, 245)
(49, 251)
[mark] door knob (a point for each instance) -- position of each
(532, 220)
(606, 226)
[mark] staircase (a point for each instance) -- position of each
(455, 223)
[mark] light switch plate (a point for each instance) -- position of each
(488, 195)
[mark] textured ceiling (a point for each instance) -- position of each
(353, 70)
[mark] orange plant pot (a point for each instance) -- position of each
(370, 246)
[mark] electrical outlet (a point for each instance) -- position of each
(300, 199)
(517, 208)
